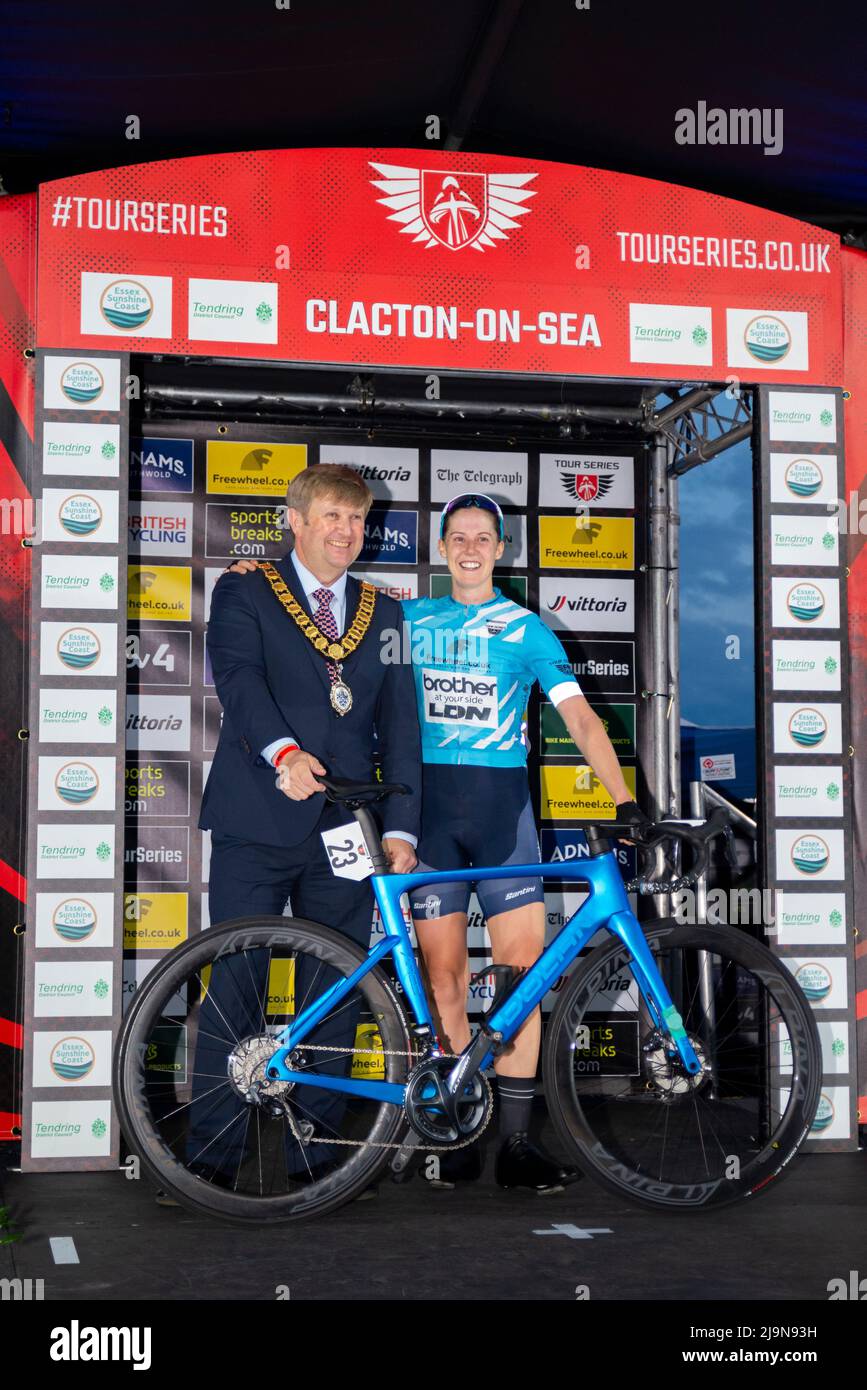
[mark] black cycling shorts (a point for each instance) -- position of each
(475, 816)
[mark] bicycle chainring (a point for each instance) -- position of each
(437, 1116)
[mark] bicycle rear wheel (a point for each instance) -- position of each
(189, 1072)
(627, 1109)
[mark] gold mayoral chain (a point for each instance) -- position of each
(333, 652)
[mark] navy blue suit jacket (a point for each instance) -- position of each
(271, 683)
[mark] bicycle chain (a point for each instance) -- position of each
(386, 1144)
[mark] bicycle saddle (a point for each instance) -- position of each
(337, 789)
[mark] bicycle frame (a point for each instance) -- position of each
(607, 908)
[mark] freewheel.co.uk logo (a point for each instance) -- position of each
(72, 1059)
(74, 919)
(82, 383)
(80, 515)
(804, 478)
(78, 648)
(451, 208)
(126, 305)
(767, 339)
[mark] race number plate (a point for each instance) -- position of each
(346, 851)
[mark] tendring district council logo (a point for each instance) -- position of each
(82, 383)
(72, 1059)
(126, 305)
(803, 478)
(453, 208)
(74, 919)
(767, 339)
(78, 648)
(80, 515)
(76, 783)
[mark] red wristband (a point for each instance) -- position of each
(281, 752)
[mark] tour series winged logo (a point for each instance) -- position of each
(452, 209)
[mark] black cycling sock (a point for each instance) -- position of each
(516, 1102)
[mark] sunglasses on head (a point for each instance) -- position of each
(473, 499)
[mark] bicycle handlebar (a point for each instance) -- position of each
(697, 835)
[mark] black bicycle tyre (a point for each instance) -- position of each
(360, 1169)
(608, 1170)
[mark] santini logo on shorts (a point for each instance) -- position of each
(452, 698)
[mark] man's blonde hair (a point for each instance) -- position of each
(335, 480)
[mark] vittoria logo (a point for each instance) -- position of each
(74, 919)
(78, 648)
(767, 339)
(82, 383)
(72, 1059)
(451, 208)
(586, 487)
(80, 515)
(126, 305)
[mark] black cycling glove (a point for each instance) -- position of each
(629, 812)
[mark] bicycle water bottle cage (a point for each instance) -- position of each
(505, 976)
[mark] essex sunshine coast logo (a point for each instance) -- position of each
(452, 209)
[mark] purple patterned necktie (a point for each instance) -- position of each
(324, 620)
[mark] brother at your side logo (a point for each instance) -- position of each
(77, 1343)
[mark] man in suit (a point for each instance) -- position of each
(290, 714)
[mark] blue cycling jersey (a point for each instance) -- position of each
(474, 667)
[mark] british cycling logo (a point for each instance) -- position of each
(452, 208)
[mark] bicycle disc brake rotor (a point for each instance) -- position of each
(246, 1067)
(439, 1117)
(665, 1071)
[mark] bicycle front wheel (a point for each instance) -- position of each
(190, 1072)
(635, 1120)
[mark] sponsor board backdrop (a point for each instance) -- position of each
(362, 256)
(399, 556)
(802, 692)
(199, 498)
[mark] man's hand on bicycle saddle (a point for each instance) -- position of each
(296, 775)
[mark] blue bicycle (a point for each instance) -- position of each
(269, 1070)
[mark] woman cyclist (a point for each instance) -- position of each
(476, 656)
